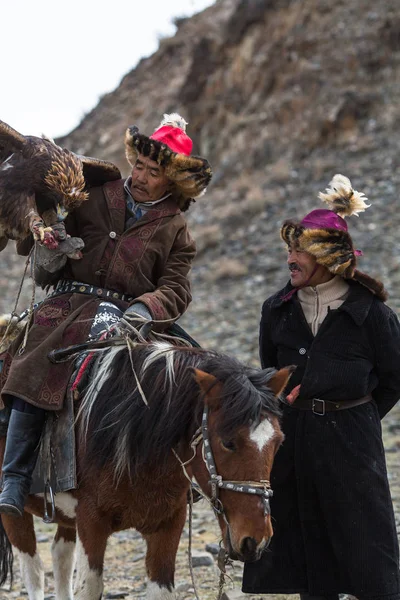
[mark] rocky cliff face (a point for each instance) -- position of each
(279, 95)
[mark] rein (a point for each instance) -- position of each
(216, 482)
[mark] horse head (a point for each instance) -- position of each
(238, 454)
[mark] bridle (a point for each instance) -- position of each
(259, 488)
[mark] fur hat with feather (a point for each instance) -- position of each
(323, 233)
(171, 147)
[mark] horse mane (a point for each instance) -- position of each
(115, 422)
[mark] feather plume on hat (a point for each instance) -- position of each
(174, 120)
(342, 198)
(323, 233)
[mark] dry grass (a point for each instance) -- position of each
(280, 171)
(254, 201)
(227, 268)
(207, 236)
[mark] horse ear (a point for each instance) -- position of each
(278, 381)
(208, 383)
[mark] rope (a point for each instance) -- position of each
(32, 302)
(221, 563)
(190, 558)
(14, 313)
(129, 344)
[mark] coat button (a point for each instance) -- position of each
(112, 235)
(302, 351)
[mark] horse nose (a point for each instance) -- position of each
(248, 549)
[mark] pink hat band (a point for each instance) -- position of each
(323, 219)
(326, 219)
(175, 138)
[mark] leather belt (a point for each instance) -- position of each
(320, 407)
(67, 286)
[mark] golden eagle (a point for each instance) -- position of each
(40, 183)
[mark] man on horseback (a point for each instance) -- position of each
(334, 527)
(136, 261)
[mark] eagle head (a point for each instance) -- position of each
(65, 178)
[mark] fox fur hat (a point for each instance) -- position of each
(171, 147)
(323, 233)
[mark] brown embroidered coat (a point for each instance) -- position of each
(150, 261)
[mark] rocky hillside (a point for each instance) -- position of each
(279, 95)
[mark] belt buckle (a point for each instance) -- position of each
(322, 405)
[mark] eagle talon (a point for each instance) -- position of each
(45, 235)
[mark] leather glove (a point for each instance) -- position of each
(50, 261)
(135, 318)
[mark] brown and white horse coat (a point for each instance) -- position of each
(129, 477)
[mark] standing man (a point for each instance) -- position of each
(136, 260)
(334, 527)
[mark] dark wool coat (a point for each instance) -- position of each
(334, 528)
(150, 262)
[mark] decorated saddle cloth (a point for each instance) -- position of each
(57, 459)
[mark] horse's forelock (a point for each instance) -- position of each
(245, 394)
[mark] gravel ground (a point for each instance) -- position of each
(124, 573)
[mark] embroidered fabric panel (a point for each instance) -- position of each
(115, 196)
(53, 388)
(53, 313)
(154, 305)
(130, 253)
(107, 315)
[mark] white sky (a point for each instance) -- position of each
(59, 57)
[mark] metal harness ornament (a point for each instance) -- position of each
(216, 482)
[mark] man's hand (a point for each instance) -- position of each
(50, 261)
(134, 320)
(290, 398)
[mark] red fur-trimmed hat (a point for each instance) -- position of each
(323, 233)
(171, 148)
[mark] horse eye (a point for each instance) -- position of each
(228, 445)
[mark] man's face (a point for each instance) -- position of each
(301, 267)
(149, 181)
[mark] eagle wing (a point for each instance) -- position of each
(97, 172)
(10, 141)
(38, 181)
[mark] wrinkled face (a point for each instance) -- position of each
(304, 269)
(149, 181)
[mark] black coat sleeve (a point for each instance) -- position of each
(268, 354)
(386, 341)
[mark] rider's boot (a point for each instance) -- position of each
(20, 455)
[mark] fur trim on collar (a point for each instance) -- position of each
(373, 285)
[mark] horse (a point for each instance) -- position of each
(152, 416)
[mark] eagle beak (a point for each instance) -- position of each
(62, 213)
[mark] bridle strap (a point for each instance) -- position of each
(258, 488)
(261, 488)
